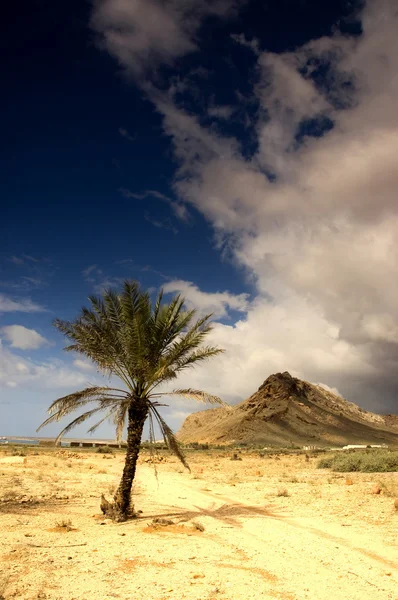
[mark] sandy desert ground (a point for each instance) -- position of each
(269, 528)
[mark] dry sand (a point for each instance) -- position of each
(330, 538)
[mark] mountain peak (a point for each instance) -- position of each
(286, 410)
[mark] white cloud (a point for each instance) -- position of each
(333, 390)
(83, 365)
(23, 338)
(321, 238)
(99, 280)
(45, 375)
(8, 304)
(217, 303)
(143, 34)
(221, 112)
(315, 221)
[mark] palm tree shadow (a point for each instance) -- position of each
(226, 513)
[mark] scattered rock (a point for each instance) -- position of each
(235, 457)
(162, 522)
(156, 459)
(67, 454)
(376, 489)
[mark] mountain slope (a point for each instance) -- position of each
(286, 410)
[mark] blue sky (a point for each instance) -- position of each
(241, 153)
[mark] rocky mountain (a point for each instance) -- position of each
(286, 411)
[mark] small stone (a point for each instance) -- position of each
(376, 489)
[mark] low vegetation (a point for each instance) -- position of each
(64, 524)
(104, 450)
(363, 461)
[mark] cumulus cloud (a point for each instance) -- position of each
(26, 305)
(22, 337)
(217, 303)
(316, 222)
(44, 375)
(312, 214)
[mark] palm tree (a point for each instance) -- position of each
(145, 345)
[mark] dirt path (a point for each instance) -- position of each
(255, 548)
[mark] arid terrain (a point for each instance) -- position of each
(285, 411)
(272, 527)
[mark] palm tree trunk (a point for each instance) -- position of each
(137, 415)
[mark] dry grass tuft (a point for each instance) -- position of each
(64, 524)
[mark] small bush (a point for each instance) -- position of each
(10, 496)
(17, 452)
(282, 492)
(326, 462)
(364, 461)
(104, 450)
(65, 524)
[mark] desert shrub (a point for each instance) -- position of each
(64, 524)
(326, 462)
(365, 461)
(104, 450)
(10, 496)
(293, 479)
(282, 492)
(18, 452)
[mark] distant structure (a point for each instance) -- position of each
(64, 443)
(362, 446)
(96, 444)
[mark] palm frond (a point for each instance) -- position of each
(67, 404)
(192, 394)
(169, 437)
(78, 421)
(107, 416)
(120, 420)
